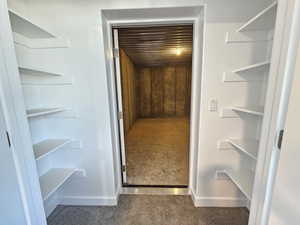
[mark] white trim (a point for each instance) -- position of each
(89, 200)
(197, 140)
(219, 202)
(196, 89)
(109, 61)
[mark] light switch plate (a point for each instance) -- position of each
(213, 105)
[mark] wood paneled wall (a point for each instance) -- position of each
(129, 90)
(164, 91)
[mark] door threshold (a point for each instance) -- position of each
(154, 191)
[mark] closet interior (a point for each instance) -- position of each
(156, 88)
(254, 79)
(50, 107)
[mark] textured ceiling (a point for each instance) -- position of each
(158, 45)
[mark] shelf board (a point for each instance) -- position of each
(46, 147)
(243, 179)
(40, 43)
(51, 181)
(36, 72)
(249, 37)
(247, 146)
(26, 83)
(42, 111)
(27, 28)
(264, 20)
(258, 111)
(261, 66)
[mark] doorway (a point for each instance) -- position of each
(154, 97)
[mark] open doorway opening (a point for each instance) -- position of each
(153, 69)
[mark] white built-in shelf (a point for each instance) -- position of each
(249, 73)
(36, 72)
(247, 146)
(248, 37)
(264, 20)
(51, 181)
(40, 43)
(258, 111)
(261, 66)
(46, 147)
(243, 179)
(42, 111)
(26, 27)
(28, 83)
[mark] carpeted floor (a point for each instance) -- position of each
(157, 152)
(148, 210)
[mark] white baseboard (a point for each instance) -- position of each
(193, 196)
(113, 200)
(89, 200)
(218, 201)
(51, 204)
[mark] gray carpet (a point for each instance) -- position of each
(148, 210)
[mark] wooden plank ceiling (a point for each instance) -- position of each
(157, 45)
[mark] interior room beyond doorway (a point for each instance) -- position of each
(155, 64)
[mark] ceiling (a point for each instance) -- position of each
(157, 45)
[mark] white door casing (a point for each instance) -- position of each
(11, 207)
(286, 197)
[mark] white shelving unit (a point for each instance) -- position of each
(255, 32)
(36, 72)
(264, 20)
(43, 111)
(37, 48)
(53, 180)
(49, 146)
(243, 179)
(246, 146)
(257, 111)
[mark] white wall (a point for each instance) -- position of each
(80, 21)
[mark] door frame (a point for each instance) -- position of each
(15, 191)
(196, 85)
(118, 75)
